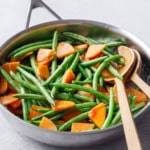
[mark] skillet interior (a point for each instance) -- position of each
(94, 30)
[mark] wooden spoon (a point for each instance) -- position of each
(137, 79)
(130, 131)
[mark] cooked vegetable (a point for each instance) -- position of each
(45, 56)
(43, 71)
(59, 85)
(68, 76)
(8, 99)
(79, 127)
(3, 85)
(11, 66)
(54, 47)
(93, 51)
(33, 113)
(47, 124)
(64, 49)
(62, 105)
(98, 114)
(81, 46)
(141, 97)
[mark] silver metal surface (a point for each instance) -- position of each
(96, 30)
(108, 140)
(39, 3)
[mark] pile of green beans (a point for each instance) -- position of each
(33, 90)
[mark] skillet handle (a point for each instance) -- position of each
(39, 3)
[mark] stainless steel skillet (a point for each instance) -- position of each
(84, 27)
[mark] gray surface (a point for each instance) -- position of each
(132, 16)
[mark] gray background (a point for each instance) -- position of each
(130, 15)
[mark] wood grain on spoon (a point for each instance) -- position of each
(135, 77)
(130, 131)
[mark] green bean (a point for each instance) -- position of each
(31, 49)
(54, 47)
(110, 111)
(101, 81)
(132, 99)
(82, 97)
(82, 70)
(115, 43)
(100, 69)
(82, 82)
(92, 62)
(83, 110)
(44, 103)
(66, 96)
(114, 72)
(81, 51)
(67, 124)
(116, 108)
(55, 89)
(24, 106)
(78, 77)
(108, 51)
(9, 79)
(27, 68)
(37, 83)
(47, 114)
(25, 103)
(58, 116)
(34, 66)
(93, 68)
(117, 117)
(42, 110)
(59, 70)
(89, 73)
(75, 62)
(30, 96)
(85, 105)
(99, 95)
(24, 83)
(36, 122)
(28, 46)
(79, 37)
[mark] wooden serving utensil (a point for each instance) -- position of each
(136, 78)
(130, 131)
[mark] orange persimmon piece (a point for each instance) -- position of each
(94, 50)
(71, 115)
(11, 66)
(68, 76)
(60, 122)
(79, 127)
(45, 56)
(64, 49)
(47, 124)
(62, 105)
(81, 46)
(43, 71)
(3, 85)
(16, 104)
(98, 114)
(21, 58)
(17, 111)
(33, 113)
(86, 93)
(141, 97)
(8, 99)
(11, 88)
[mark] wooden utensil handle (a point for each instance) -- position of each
(141, 84)
(130, 131)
